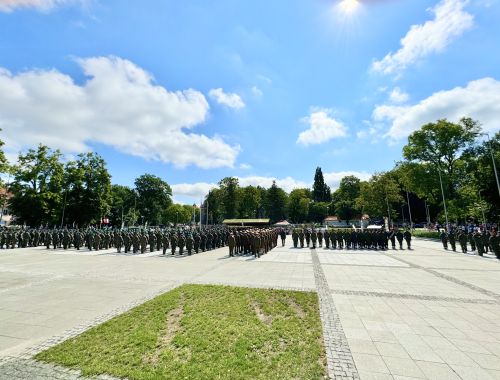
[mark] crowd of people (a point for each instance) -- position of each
(350, 239)
(141, 240)
(483, 241)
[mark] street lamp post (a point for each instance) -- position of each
(444, 200)
(409, 209)
(493, 160)
(481, 206)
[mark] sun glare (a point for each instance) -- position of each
(349, 6)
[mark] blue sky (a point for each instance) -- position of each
(194, 91)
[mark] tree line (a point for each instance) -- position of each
(444, 164)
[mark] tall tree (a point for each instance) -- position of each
(37, 187)
(177, 213)
(298, 205)
(213, 208)
(153, 197)
(87, 190)
(441, 144)
(344, 198)
(276, 203)
(122, 210)
(318, 211)
(321, 191)
(249, 202)
(229, 187)
(380, 196)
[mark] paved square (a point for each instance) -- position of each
(419, 314)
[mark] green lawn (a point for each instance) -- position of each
(205, 332)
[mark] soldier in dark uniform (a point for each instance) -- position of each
(301, 238)
(232, 244)
(407, 236)
(118, 241)
(462, 239)
(295, 238)
(320, 238)
(165, 242)
(444, 239)
(314, 238)
(181, 242)
(197, 242)
(452, 239)
(326, 235)
(173, 242)
(189, 244)
(283, 237)
(77, 239)
(144, 242)
(392, 237)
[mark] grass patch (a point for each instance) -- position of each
(427, 234)
(204, 332)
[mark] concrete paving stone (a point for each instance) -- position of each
(472, 373)
(455, 357)
(423, 353)
(370, 363)
(365, 375)
(485, 361)
(394, 350)
(494, 374)
(437, 371)
(403, 367)
(363, 346)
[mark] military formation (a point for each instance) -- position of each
(139, 240)
(480, 241)
(350, 239)
(254, 241)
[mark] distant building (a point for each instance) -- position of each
(357, 221)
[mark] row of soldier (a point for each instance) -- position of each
(253, 241)
(134, 240)
(482, 241)
(350, 239)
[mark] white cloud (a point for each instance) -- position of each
(41, 5)
(322, 128)
(450, 22)
(118, 105)
(230, 100)
(398, 96)
(480, 100)
(194, 192)
(257, 92)
(245, 166)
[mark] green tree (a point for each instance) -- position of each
(298, 205)
(249, 202)
(378, 196)
(276, 203)
(87, 190)
(321, 191)
(213, 203)
(479, 170)
(318, 211)
(4, 164)
(37, 187)
(229, 187)
(441, 145)
(178, 214)
(122, 206)
(153, 197)
(344, 198)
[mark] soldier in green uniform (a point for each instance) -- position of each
(189, 244)
(452, 239)
(97, 241)
(314, 239)
(232, 244)
(197, 242)
(320, 238)
(444, 239)
(118, 241)
(308, 237)
(165, 242)
(77, 239)
(392, 237)
(152, 241)
(495, 243)
(301, 237)
(462, 239)
(144, 242)
(326, 235)
(295, 238)
(181, 242)
(407, 236)
(283, 237)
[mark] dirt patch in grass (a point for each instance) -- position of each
(204, 332)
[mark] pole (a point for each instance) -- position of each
(409, 209)
(122, 217)
(481, 206)
(201, 206)
(444, 200)
(494, 167)
(64, 207)
(207, 211)
(388, 212)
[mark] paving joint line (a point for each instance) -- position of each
(414, 296)
(340, 361)
(450, 278)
